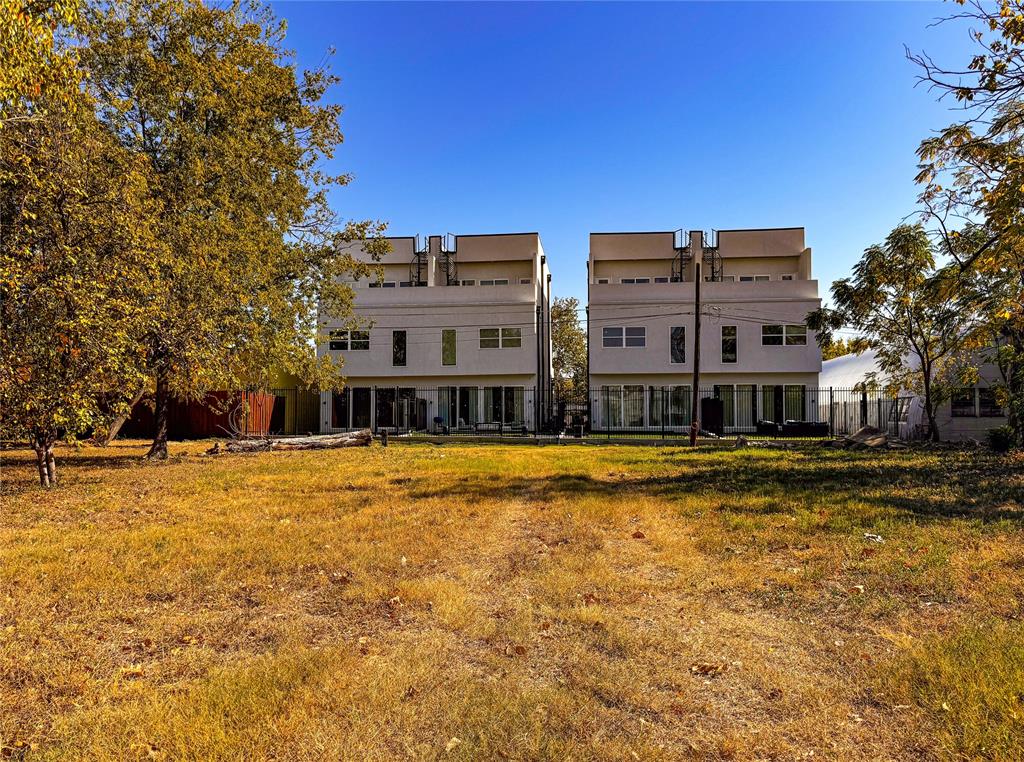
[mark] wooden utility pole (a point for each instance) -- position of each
(698, 260)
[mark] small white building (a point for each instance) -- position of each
(454, 337)
(969, 414)
(757, 354)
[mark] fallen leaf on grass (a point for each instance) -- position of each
(708, 669)
(638, 535)
(514, 649)
(452, 743)
(132, 671)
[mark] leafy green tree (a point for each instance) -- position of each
(922, 340)
(568, 346)
(973, 178)
(74, 226)
(234, 138)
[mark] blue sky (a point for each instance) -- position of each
(567, 118)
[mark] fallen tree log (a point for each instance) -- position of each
(322, 442)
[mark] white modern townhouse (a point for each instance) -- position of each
(757, 357)
(452, 337)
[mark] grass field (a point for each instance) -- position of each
(503, 602)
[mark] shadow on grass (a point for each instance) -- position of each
(976, 486)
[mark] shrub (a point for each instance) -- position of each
(1001, 438)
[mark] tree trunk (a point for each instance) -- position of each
(44, 476)
(929, 407)
(1014, 376)
(117, 423)
(158, 450)
(45, 461)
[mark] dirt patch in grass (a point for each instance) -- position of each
(475, 602)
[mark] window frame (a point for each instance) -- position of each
(801, 334)
(735, 344)
(672, 344)
(511, 338)
(395, 355)
(363, 338)
(607, 332)
(781, 335)
(337, 336)
(496, 338)
(454, 347)
(642, 336)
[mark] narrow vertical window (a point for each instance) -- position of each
(678, 344)
(398, 348)
(448, 344)
(728, 343)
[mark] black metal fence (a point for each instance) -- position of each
(611, 411)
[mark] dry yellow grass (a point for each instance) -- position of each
(512, 602)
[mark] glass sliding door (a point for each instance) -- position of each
(362, 415)
(468, 403)
(447, 404)
(746, 403)
(633, 406)
(611, 407)
(340, 409)
(795, 402)
(726, 394)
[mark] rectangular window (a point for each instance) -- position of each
(339, 341)
(360, 340)
(511, 338)
(677, 339)
(398, 345)
(728, 343)
(636, 337)
(469, 282)
(661, 280)
(501, 281)
(962, 403)
(405, 284)
(525, 281)
(448, 344)
(772, 335)
(746, 279)
(602, 281)
(761, 278)
(988, 405)
(488, 282)
(388, 284)
(786, 277)
(635, 280)
(796, 335)
(490, 338)
(611, 337)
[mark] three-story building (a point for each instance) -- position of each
(452, 336)
(757, 355)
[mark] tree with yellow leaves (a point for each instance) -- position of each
(973, 178)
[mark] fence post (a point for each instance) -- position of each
(831, 414)
(662, 412)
